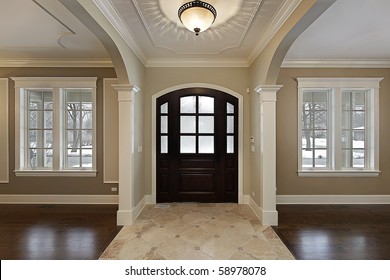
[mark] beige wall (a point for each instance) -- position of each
(158, 79)
(139, 185)
(288, 182)
(42, 185)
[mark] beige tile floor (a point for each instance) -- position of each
(192, 231)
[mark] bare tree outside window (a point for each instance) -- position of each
(79, 127)
(314, 128)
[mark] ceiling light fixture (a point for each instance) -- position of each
(197, 16)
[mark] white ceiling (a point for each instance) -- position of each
(44, 29)
(241, 28)
(348, 30)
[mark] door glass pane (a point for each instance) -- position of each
(229, 108)
(164, 108)
(164, 144)
(187, 124)
(206, 104)
(206, 124)
(188, 104)
(230, 144)
(206, 144)
(230, 124)
(164, 124)
(187, 144)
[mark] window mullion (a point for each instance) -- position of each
(374, 114)
(300, 126)
(337, 145)
(57, 126)
(81, 131)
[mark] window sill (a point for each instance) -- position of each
(57, 173)
(341, 173)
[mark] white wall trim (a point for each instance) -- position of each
(140, 206)
(58, 199)
(273, 27)
(113, 16)
(336, 63)
(269, 218)
(333, 199)
(240, 133)
(47, 62)
(196, 63)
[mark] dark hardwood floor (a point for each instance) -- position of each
(56, 232)
(335, 232)
(319, 232)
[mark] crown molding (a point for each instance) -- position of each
(196, 63)
(113, 17)
(336, 63)
(56, 62)
(273, 27)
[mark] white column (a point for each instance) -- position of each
(126, 153)
(268, 152)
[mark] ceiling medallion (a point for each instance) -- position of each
(197, 16)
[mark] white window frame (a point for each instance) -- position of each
(335, 86)
(56, 84)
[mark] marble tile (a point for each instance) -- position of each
(193, 231)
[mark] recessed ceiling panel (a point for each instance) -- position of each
(166, 31)
(155, 26)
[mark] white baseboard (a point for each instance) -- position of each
(58, 199)
(333, 199)
(256, 208)
(138, 209)
(269, 218)
(245, 199)
(124, 218)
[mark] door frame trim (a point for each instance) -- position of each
(240, 132)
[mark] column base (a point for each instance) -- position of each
(124, 218)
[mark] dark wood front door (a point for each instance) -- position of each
(197, 146)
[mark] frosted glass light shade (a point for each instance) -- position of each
(197, 16)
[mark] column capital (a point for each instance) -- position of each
(126, 91)
(268, 92)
